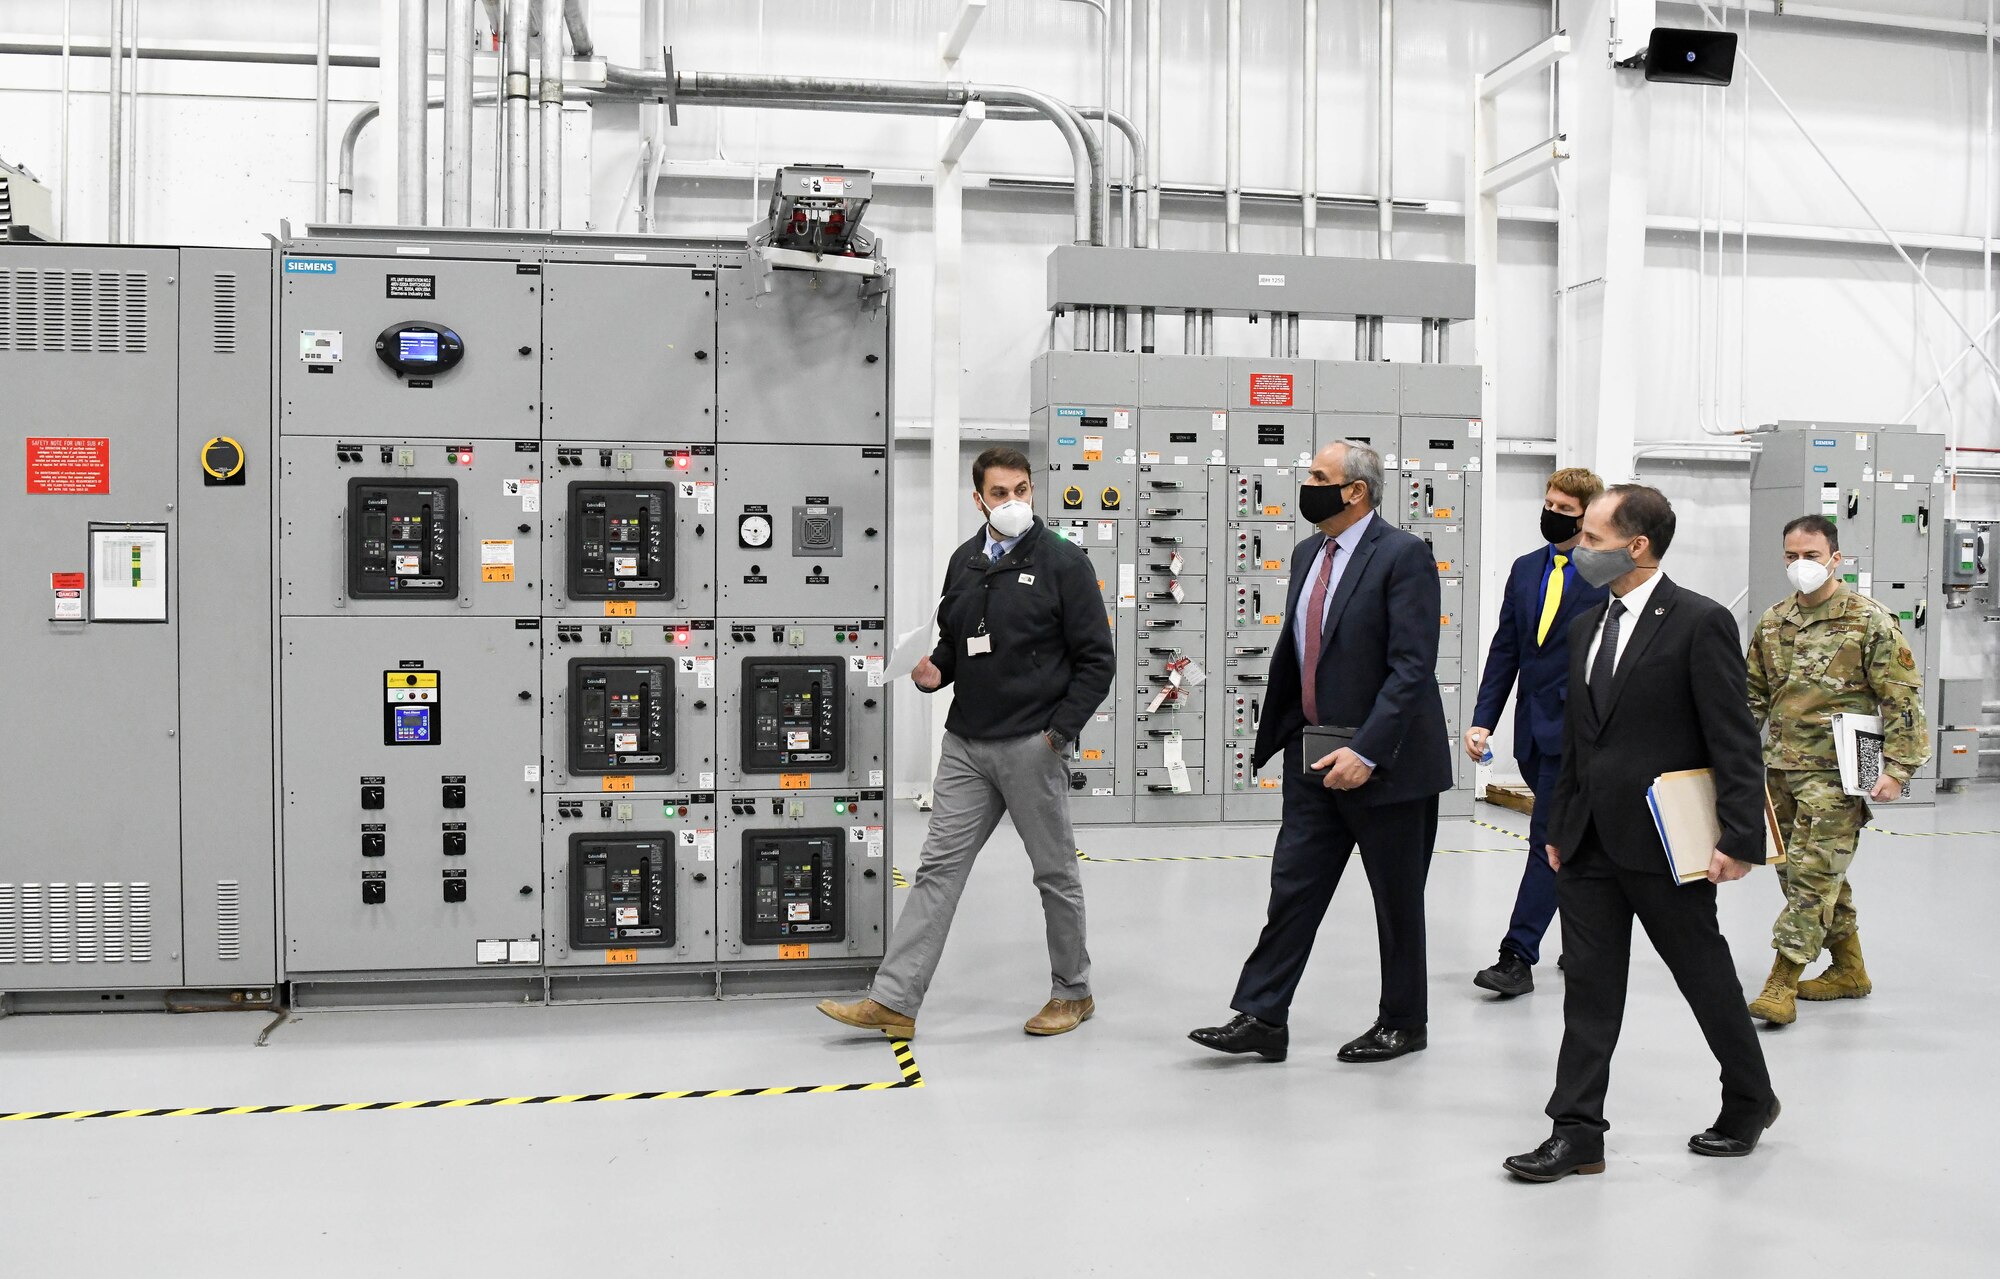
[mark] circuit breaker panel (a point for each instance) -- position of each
(1179, 475)
(556, 507)
(1880, 485)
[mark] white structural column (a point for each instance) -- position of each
(948, 486)
(1606, 111)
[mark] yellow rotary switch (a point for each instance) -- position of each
(222, 461)
(1110, 498)
(1072, 498)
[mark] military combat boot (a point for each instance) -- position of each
(1845, 978)
(1779, 1002)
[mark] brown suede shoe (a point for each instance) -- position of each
(1060, 1016)
(869, 1015)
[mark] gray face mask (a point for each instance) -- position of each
(1602, 568)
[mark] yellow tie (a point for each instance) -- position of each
(1552, 602)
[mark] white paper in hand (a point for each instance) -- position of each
(911, 647)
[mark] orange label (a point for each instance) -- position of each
(496, 572)
(1441, 513)
(1273, 619)
(1274, 510)
(1093, 754)
(621, 956)
(1267, 783)
(1093, 457)
(621, 608)
(795, 781)
(618, 783)
(794, 950)
(1444, 619)
(1274, 564)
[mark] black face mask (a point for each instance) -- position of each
(1557, 527)
(1319, 503)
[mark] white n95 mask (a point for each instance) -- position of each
(1807, 575)
(1011, 518)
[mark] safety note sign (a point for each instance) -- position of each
(66, 464)
(1271, 390)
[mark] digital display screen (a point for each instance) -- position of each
(417, 346)
(413, 724)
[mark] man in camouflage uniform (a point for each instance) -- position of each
(1824, 651)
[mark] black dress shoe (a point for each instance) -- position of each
(1383, 1044)
(1553, 1160)
(1508, 978)
(1245, 1034)
(1720, 1145)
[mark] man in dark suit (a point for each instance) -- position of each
(1544, 595)
(1659, 688)
(1358, 659)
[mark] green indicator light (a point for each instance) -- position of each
(840, 808)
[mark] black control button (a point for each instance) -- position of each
(454, 795)
(454, 843)
(373, 796)
(374, 844)
(374, 889)
(454, 887)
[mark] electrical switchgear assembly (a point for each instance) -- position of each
(402, 538)
(621, 890)
(792, 886)
(621, 541)
(793, 716)
(1194, 560)
(621, 716)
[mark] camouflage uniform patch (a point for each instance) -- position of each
(1807, 664)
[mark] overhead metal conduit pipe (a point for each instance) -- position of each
(881, 97)
(551, 99)
(351, 138)
(412, 119)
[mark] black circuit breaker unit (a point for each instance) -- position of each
(621, 717)
(621, 890)
(621, 542)
(794, 715)
(792, 886)
(402, 539)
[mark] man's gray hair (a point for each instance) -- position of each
(1362, 464)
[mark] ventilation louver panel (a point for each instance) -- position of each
(78, 312)
(228, 919)
(82, 923)
(225, 313)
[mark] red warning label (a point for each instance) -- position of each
(1271, 390)
(61, 464)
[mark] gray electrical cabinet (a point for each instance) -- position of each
(1880, 484)
(1179, 476)
(137, 624)
(407, 648)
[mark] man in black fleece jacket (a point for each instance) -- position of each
(1022, 634)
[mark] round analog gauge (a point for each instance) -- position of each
(754, 530)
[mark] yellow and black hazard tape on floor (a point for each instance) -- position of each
(906, 1061)
(896, 877)
(1511, 834)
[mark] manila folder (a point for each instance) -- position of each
(1683, 805)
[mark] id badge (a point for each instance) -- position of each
(978, 645)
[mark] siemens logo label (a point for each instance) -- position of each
(310, 266)
(1069, 412)
(1826, 444)
(1067, 441)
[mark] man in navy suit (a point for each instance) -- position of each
(1357, 661)
(1544, 595)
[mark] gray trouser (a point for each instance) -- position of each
(976, 782)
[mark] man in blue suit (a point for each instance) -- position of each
(1544, 594)
(1354, 672)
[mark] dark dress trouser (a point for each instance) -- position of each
(1535, 900)
(1599, 902)
(1320, 829)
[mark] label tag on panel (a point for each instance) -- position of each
(795, 781)
(704, 845)
(68, 465)
(621, 608)
(618, 784)
(704, 672)
(621, 956)
(526, 950)
(873, 838)
(794, 950)
(490, 952)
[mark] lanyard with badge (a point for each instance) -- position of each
(980, 643)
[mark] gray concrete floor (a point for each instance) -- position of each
(1121, 1149)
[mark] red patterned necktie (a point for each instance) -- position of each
(1315, 622)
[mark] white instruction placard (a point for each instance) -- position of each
(128, 573)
